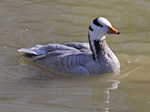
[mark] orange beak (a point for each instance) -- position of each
(113, 30)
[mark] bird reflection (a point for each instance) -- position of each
(101, 97)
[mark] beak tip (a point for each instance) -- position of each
(118, 33)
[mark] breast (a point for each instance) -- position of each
(107, 62)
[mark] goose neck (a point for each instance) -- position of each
(97, 47)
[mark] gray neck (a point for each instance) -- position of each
(97, 47)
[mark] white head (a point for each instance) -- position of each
(99, 28)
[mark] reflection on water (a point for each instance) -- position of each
(104, 95)
(27, 87)
(90, 93)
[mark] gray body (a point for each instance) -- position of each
(74, 58)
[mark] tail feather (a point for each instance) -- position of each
(37, 50)
(33, 57)
(28, 55)
(26, 50)
(33, 53)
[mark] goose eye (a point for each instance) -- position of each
(95, 21)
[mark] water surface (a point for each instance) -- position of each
(27, 87)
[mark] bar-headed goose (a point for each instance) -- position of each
(78, 58)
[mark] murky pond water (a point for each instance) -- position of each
(27, 87)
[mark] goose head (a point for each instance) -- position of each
(99, 28)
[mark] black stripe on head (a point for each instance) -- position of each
(95, 21)
(90, 28)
